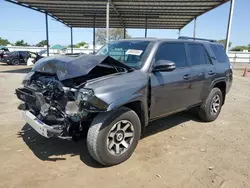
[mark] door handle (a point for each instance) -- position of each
(186, 76)
(211, 72)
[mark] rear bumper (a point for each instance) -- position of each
(40, 127)
(229, 82)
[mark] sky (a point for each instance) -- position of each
(21, 23)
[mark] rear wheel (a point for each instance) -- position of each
(113, 136)
(15, 61)
(211, 107)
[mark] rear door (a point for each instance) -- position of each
(170, 91)
(203, 71)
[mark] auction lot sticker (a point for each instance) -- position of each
(134, 52)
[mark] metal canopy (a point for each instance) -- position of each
(160, 14)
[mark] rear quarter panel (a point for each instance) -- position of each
(223, 70)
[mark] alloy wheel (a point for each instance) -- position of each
(120, 137)
(215, 105)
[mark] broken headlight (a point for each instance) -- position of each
(85, 94)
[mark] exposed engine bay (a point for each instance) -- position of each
(59, 99)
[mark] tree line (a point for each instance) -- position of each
(236, 48)
(114, 34)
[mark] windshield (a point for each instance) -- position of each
(130, 53)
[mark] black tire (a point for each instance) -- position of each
(15, 61)
(205, 111)
(98, 135)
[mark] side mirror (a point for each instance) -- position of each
(164, 66)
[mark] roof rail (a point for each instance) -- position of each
(191, 38)
(144, 38)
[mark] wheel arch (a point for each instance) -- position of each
(222, 85)
(139, 109)
(138, 104)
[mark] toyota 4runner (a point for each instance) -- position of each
(118, 91)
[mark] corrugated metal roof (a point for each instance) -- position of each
(160, 14)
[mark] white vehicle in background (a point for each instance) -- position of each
(43, 53)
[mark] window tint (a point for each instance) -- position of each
(220, 53)
(174, 52)
(197, 54)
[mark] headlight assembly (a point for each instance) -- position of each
(85, 94)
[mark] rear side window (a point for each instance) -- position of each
(197, 54)
(220, 53)
(173, 52)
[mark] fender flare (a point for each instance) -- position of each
(123, 101)
(143, 114)
(214, 82)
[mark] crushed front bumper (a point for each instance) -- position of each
(40, 127)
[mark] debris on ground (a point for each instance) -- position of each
(202, 149)
(158, 175)
(211, 168)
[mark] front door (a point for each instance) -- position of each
(170, 91)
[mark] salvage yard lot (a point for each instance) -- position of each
(177, 151)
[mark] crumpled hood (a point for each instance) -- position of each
(66, 67)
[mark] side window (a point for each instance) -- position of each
(173, 52)
(197, 54)
(220, 53)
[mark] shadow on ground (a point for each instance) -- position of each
(54, 149)
(18, 70)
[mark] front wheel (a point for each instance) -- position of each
(113, 136)
(211, 107)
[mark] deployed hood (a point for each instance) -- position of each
(66, 67)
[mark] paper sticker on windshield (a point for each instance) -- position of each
(134, 52)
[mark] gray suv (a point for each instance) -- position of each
(115, 93)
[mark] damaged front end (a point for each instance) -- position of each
(56, 102)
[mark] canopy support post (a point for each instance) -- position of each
(124, 33)
(94, 36)
(71, 39)
(194, 34)
(47, 33)
(146, 27)
(229, 25)
(179, 33)
(107, 22)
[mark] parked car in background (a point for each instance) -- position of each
(3, 51)
(20, 57)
